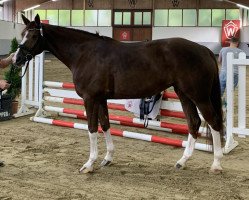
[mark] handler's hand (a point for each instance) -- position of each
(4, 84)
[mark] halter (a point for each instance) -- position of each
(29, 55)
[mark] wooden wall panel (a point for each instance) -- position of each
(21, 5)
(124, 4)
(141, 4)
(99, 4)
(62, 4)
(168, 4)
(136, 34)
(77, 4)
(142, 34)
(215, 4)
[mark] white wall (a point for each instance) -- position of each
(8, 30)
(207, 36)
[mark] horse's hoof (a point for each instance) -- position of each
(105, 163)
(86, 170)
(215, 170)
(179, 166)
(1, 163)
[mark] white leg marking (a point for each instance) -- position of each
(88, 166)
(188, 152)
(216, 166)
(109, 146)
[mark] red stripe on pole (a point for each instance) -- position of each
(68, 85)
(114, 106)
(170, 113)
(116, 132)
(167, 141)
(128, 121)
(63, 123)
(177, 128)
(132, 124)
(73, 101)
(121, 118)
(170, 95)
(74, 112)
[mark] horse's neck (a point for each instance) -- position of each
(63, 42)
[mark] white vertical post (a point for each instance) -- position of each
(36, 86)
(41, 73)
(242, 95)
(230, 143)
(30, 85)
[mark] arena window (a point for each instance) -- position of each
(132, 18)
(104, 17)
(126, 18)
(217, 16)
(64, 17)
(189, 17)
(77, 18)
(146, 18)
(175, 17)
(118, 16)
(91, 18)
(204, 17)
(161, 17)
(53, 16)
(138, 18)
(232, 14)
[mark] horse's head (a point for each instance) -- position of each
(32, 42)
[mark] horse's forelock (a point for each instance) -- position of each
(31, 25)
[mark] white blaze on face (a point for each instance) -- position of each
(22, 42)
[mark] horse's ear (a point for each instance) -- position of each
(37, 21)
(25, 20)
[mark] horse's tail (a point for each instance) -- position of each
(216, 98)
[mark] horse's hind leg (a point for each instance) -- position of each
(209, 114)
(92, 108)
(105, 125)
(194, 123)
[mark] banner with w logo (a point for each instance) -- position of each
(230, 28)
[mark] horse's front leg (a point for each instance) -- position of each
(105, 125)
(92, 108)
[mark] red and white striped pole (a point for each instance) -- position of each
(128, 134)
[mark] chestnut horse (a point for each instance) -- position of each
(104, 68)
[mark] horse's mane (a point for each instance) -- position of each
(95, 35)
